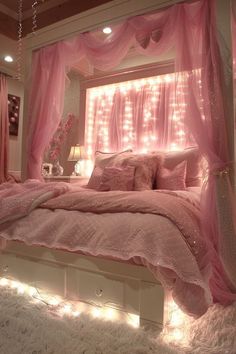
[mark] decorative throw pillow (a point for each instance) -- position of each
(146, 167)
(172, 179)
(102, 160)
(95, 178)
(193, 159)
(115, 178)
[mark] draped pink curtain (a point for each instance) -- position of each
(4, 131)
(210, 134)
(189, 30)
(46, 103)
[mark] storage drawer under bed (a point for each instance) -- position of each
(89, 280)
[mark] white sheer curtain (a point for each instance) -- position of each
(142, 114)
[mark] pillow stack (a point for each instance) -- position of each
(125, 171)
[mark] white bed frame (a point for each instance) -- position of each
(128, 287)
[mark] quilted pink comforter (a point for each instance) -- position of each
(158, 229)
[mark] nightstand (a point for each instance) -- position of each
(69, 179)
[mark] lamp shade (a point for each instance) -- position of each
(75, 153)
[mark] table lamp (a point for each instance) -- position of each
(76, 155)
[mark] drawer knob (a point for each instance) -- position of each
(98, 292)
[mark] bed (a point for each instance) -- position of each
(157, 229)
(77, 272)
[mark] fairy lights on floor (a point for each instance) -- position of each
(175, 330)
(62, 307)
(176, 324)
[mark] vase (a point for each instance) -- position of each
(57, 169)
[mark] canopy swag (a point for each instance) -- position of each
(189, 30)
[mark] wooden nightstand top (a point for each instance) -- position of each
(69, 179)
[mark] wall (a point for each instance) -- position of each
(15, 142)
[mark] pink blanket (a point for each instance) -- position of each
(154, 228)
(19, 199)
(180, 211)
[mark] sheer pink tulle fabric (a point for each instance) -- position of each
(189, 31)
(4, 131)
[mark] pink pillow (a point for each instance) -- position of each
(114, 178)
(146, 167)
(172, 179)
(193, 159)
(96, 178)
(102, 160)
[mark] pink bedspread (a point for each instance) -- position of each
(158, 229)
(19, 199)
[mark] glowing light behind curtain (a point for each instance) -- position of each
(142, 114)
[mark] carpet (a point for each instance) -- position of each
(27, 327)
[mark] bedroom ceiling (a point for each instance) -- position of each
(48, 12)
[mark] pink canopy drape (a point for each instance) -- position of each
(4, 130)
(189, 30)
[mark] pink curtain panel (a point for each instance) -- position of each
(4, 130)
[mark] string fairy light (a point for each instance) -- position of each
(34, 16)
(175, 328)
(35, 4)
(62, 307)
(19, 42)
(100, 114)
(176, 325)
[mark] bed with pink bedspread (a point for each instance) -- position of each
(158, 229)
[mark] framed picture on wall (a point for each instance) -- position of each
(13, 114)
